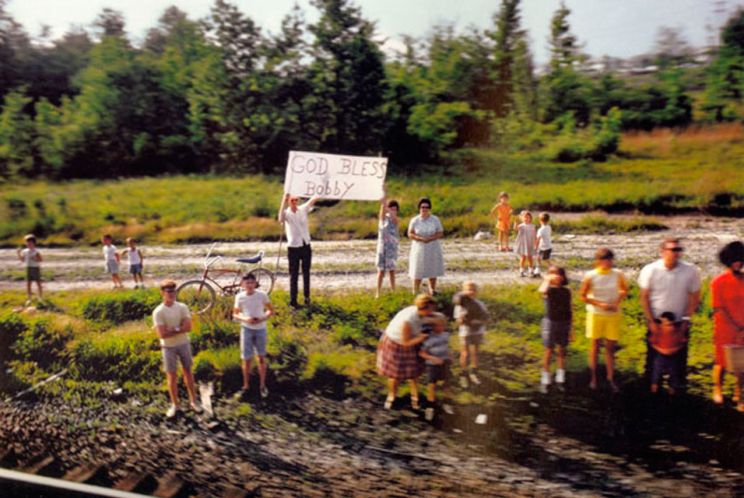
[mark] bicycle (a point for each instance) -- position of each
(200, 295)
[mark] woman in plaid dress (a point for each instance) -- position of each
(397, 354)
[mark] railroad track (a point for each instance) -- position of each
(43, 475)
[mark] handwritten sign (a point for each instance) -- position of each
(333, 176)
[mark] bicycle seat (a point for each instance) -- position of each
(254, 259)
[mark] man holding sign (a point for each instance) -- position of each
(299, 252)
(322, 176)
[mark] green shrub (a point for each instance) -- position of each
(118, 355)
(208, 334)
(219, 365)
(287, 355)
(11, 327)
(43, 342)
(120, 307)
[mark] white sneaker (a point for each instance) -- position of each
(264, 392)
(560, 376)
(429, 414)
(544, 381)
(448, 409)
(474, 379)
(522, 273)
(535, 272)
(171, 411)
(196, 406)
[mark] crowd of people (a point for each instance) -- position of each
(416, 340)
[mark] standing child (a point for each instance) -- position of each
(31, 257)
(668, 342)
(252, 308)
(472, 316)
(544, 243)
(112, 260)
(502, 212)
(136, 260)
(556, 326)
(524, 246)
(435, 350)
(603, 289)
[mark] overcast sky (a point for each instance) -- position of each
(607, 27)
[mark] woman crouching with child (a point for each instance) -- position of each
(398, 352)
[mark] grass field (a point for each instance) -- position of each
(658, 172)
(105, 337)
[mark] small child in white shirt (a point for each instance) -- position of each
(134, 255)
(544, 243)
(31, 257)
(112, 260)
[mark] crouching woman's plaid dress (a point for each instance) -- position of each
(395, 361)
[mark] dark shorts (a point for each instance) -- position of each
(668, 364)
(471, 340)
(33, 274)
(436, 373)
(135, 269)
(544, 254)
(554, 333)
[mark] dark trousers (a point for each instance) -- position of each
(297, 255)
(680, 357)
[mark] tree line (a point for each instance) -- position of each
(222, 95)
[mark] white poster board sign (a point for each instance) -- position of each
(334, 176)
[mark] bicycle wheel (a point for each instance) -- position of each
(198, 295)
(264, 279)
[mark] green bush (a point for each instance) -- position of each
(43, 342)
(118, 355)
(219, 365)
(120, 307)
(287, 355)
(207, 334)
(11, 327)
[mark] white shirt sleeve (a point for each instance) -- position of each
(695, 280)
(644, 278)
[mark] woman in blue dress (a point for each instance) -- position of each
(388, 240)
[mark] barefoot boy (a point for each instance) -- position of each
(32, 259)
(112, 260)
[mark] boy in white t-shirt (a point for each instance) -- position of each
(31, 257)
(543, 243)
(252, 309)
(134, 255)
(111, 260)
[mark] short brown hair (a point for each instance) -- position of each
(167, 284)
(30, 238)
(604, 253)
(423, 301)
(107, 236)
(544, 217)
(669, 240)
(131, 239)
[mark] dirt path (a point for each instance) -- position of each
(349, 264)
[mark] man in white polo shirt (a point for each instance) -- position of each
(173, 322)
(669, 284)
(297, 229)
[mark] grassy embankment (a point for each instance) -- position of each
(106, 340)
(654, 173)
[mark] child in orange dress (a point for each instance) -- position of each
(502, 212)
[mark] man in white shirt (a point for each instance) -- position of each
(294, 216)
(172, 322)
(669, 284)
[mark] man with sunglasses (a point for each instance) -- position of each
(299, 252)
(669, 285)
(172, 322)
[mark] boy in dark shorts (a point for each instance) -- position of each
(435, 350)
(31, 257)
(668, 342)
(556, 325)
(472, 316)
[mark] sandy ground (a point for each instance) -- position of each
(349, 264)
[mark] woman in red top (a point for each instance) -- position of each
(727, 291)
